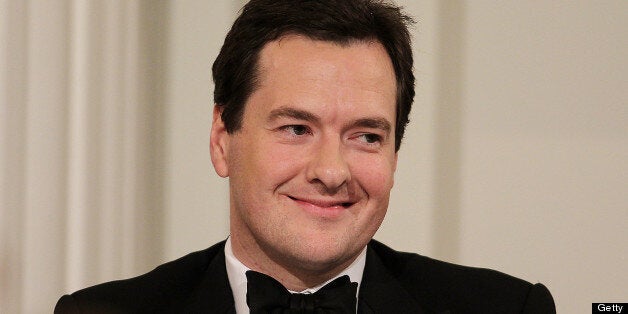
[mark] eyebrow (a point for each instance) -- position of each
(372, 123)
(294, 113)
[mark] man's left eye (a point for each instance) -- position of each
(370, 138)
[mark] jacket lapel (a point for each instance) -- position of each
(213, 293)
(380, 292)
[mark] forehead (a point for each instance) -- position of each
(298, 59)
(296, 51)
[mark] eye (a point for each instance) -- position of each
(296, 129)
(370, 138)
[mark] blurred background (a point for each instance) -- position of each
(516, 157)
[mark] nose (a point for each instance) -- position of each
(329, 167)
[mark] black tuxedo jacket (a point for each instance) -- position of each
(393, 282)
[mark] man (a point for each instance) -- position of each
(312, 99)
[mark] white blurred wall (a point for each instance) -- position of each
(515, 157)
(544, 145)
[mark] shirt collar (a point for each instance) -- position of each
(236, 272)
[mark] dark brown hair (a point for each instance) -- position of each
(235, 71)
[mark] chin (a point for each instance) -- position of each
(319, 256)
(317, 263)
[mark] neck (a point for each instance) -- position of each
(293, 274)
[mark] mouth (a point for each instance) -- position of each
(327, 208)
(323, 203)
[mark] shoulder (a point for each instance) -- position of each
(157, 289)
(446, 286)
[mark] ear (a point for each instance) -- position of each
(395, 162)
(394, 168)
(219, 144)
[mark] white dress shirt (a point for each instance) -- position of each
(236, 272)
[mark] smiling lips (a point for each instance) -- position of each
(322, 206)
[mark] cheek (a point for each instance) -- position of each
(375, 175)
(264, 165)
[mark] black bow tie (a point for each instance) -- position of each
(267, 295)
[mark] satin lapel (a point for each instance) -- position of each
(213, 294)
(380, 292)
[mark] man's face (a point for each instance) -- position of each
(312, 166)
